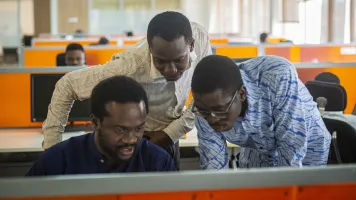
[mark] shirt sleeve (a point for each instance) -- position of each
(73, 86)
(290, 117)
(212, 147)
(177, 128)
(185, 123)
(169, 165)
(37, 169)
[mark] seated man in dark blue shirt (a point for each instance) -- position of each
(119, 107)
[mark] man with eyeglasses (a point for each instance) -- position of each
(263, 107)
(119, 108)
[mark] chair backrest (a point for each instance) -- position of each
(334, 93)
(346, 140)
(60, 60)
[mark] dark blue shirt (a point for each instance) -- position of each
(79, 155)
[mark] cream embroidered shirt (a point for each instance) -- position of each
(166, 99)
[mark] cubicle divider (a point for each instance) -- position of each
(15, 101)
(46, 56)
(313, 53)
(64, 42)
(217, 41)
(313, 183)
(124, 41)
(15, 88)
(237, 51)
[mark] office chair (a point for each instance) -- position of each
(327, 77)
(27, 40)
(332, 97)
(335, 94)
(60, 60)
(342, 148)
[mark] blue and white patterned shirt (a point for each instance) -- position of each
(282, 126)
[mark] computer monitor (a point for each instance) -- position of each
(42, 87)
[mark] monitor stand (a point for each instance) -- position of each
(78, 127)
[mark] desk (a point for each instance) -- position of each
(26, 140)
(30, 140)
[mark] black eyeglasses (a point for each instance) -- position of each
(217, 114)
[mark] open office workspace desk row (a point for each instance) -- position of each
(17, 105)
(30, 140)
(19, 148)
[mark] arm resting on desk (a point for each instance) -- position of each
(181, 126)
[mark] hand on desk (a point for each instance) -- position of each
(159, 138)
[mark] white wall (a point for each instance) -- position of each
(217, 16)
(198, 11)
(338, 21)
(27, 17)
(9, 35)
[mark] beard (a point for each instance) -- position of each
(113, 152)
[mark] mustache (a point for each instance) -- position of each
(126, 145)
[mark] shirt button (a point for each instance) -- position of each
(101, 160)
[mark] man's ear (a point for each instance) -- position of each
(95, 121)
(192, 45)
(242, 94)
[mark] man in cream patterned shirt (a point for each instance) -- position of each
(163, 63)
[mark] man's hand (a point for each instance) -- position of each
(159, 138)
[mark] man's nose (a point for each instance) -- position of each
(76, 62)
(170, 69)
(212, 120)
(129, 137)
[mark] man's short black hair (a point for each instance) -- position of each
(216, 72)
(263, 37)
(328, 77)
(120, 89)
(74, 46)
(169, 25)
(103, 40)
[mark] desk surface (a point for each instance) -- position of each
(30, 140)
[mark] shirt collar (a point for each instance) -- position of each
(156, 74)
(254, 93)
